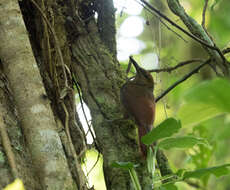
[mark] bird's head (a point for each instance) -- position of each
(143, 77)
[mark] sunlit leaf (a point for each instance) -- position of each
(215, 92)
(192, 114)
(217, 171)
(180, 142)
(16, 185)
(165, 129)
(206, 100)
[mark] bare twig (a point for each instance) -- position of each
(213, 47)
(203, 14)
(56, 41)
(203, 18)
(82, 179)
(194, 71)
(170, 29)
(225, 51)
(98, 157)
(181, 64)
(200, 33)
(177, 26)
(164, 24)
(89, 126)
(83, 110)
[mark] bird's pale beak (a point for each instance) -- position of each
(137, 67)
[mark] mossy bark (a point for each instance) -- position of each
(100, 79)
(34, 111)
(89, 53)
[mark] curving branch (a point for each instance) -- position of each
(198, 31)
(194, 71)
(181, 64)
(203, 14)
(177, 26)
(162, 22)
(57, 44)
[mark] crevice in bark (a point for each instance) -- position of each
(92, 61)
(111, 135)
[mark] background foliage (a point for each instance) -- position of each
(201, 104)
(193, 120)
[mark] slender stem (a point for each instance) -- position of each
(194, 71)
(164, 24)
(177, 26)
(84, 113)
(203, 14)
(225, 51)
(181, 64)
(56, 41)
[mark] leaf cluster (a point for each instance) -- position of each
(211, 98)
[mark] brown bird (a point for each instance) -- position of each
(138, 100)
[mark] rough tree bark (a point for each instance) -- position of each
(38, 110)
(36, 118)
(100, 78)
(67, 41)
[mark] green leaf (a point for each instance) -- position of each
(217, 171)
(180, 142)
(165, 129)
(205, 101)
(124, 165)
(192, 114)
(215, 92)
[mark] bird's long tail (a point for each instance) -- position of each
(141, 132)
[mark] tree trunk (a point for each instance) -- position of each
(66, 43)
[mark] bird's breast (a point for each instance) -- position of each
(139, 102)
